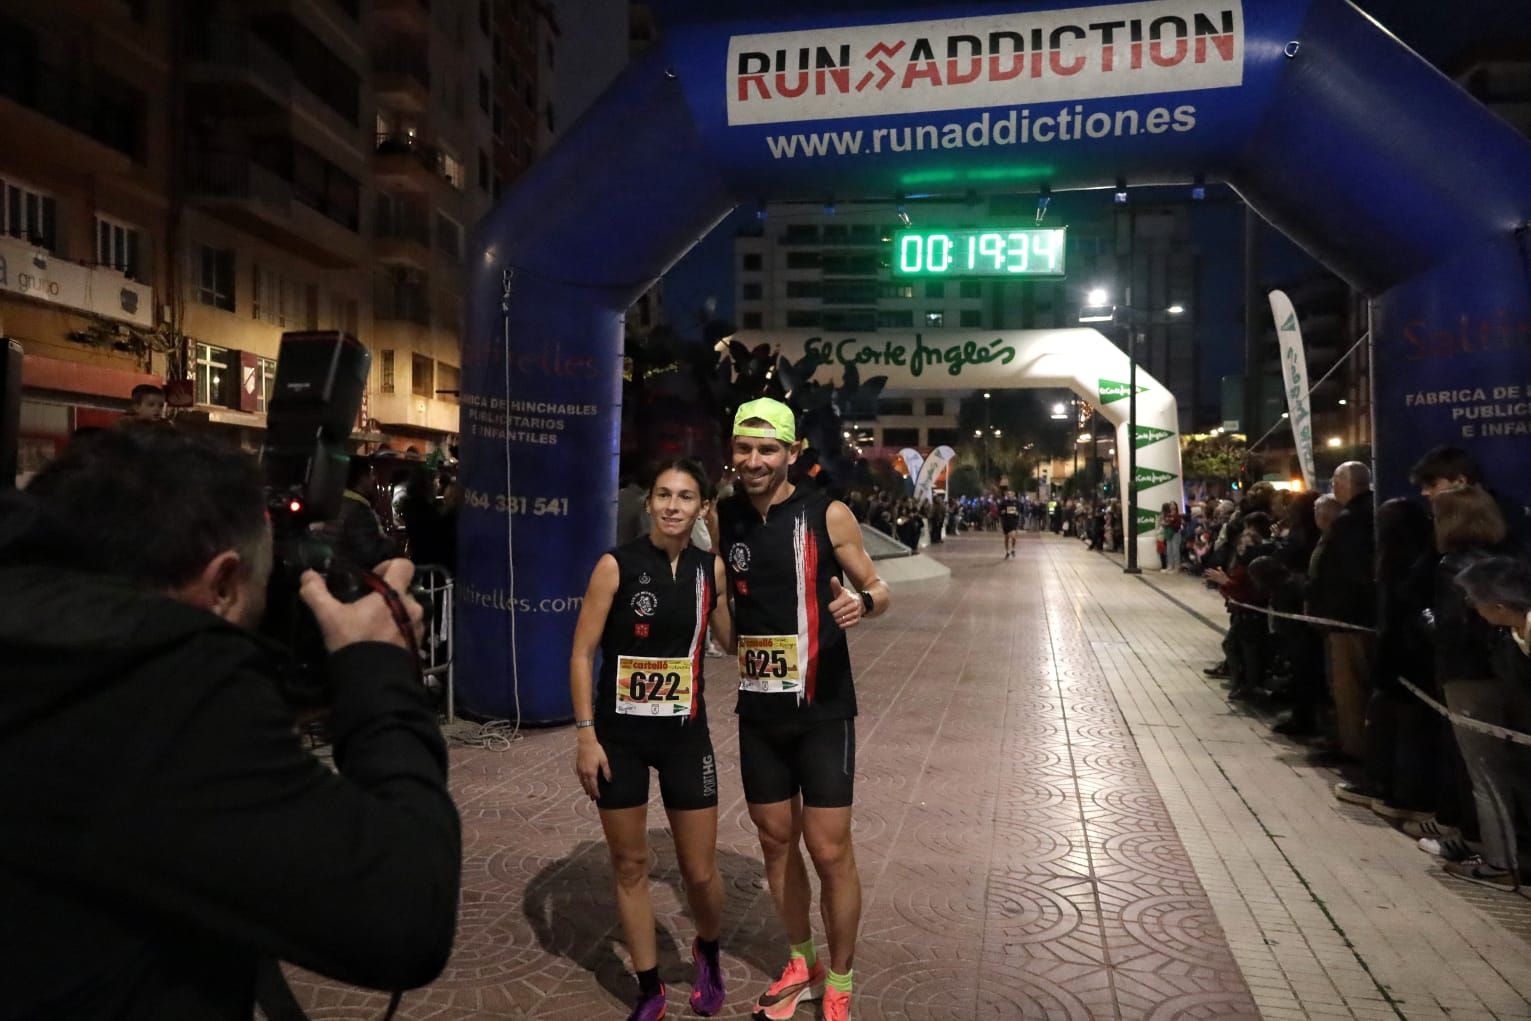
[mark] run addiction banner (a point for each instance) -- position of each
(1333, 132)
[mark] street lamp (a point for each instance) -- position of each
(986, 439)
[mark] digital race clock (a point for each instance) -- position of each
(979, 252)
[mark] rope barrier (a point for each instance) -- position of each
(1454, 718)
(1467, 722)
(1324, 621)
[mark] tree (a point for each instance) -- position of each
(1214, 458)
(963, 481)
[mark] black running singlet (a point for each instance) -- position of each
(652, 648)
(793, 660)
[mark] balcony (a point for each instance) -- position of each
(252, 198)
(403, 161)
(40, 275)
(402, 236)
(401, 76)
(234, 73)
(113, 118)
(412, 17)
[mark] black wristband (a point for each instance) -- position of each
(867, 604)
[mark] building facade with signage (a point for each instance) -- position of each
(82, 210)
(195, 191)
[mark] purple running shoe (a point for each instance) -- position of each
(650, 1008)
(707, 993)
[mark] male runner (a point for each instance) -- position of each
(1009, 518)
(785, 548)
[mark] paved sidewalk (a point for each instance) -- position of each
(1330, 912)
(1057, 817)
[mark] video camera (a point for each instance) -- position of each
(320, 378)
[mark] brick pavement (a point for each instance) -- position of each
(1056, 818)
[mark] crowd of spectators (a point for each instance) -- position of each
(1413, 597)
(399, 507)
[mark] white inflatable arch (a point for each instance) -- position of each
(1081, 360)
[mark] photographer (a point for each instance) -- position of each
(166, 835)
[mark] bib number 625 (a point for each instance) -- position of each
(762, 663)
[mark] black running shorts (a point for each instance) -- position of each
(1009, 522)
(688, 771)
(779, 760)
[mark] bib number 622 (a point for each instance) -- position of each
(646, 687)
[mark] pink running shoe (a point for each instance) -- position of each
(797, 983)
(707, 992)
(837, 1005)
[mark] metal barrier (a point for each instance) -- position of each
(435, 584)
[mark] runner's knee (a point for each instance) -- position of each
(631, 867)
(776, 837)
(830, 853)
(698, 876)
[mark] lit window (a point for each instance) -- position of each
(215, 375)
(452, 169)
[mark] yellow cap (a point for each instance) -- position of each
(782, 423)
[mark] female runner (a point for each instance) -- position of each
(648, 608)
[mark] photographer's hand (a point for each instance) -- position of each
(368, 619)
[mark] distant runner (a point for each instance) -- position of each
(1009, 518)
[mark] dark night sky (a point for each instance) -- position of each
(1439, 31)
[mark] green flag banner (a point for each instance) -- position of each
(1147, 478)
(1112, 391)
(1148, 520)
(1146, 434)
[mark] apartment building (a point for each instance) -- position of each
(268, 221)
(524, 115)
(200, 177)
(83, 178)
(432, 65)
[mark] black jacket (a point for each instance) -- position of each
(358, 535)
(163, 829)
(1343, 578)
(1463, 640)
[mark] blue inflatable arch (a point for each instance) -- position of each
(1324, 123)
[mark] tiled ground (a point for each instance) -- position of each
(1019, 725)
(1330, 912)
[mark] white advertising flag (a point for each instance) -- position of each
(1294, 376)
(913, 462)
(935, 464)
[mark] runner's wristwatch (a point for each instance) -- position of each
(866, 603)
(582, 724)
